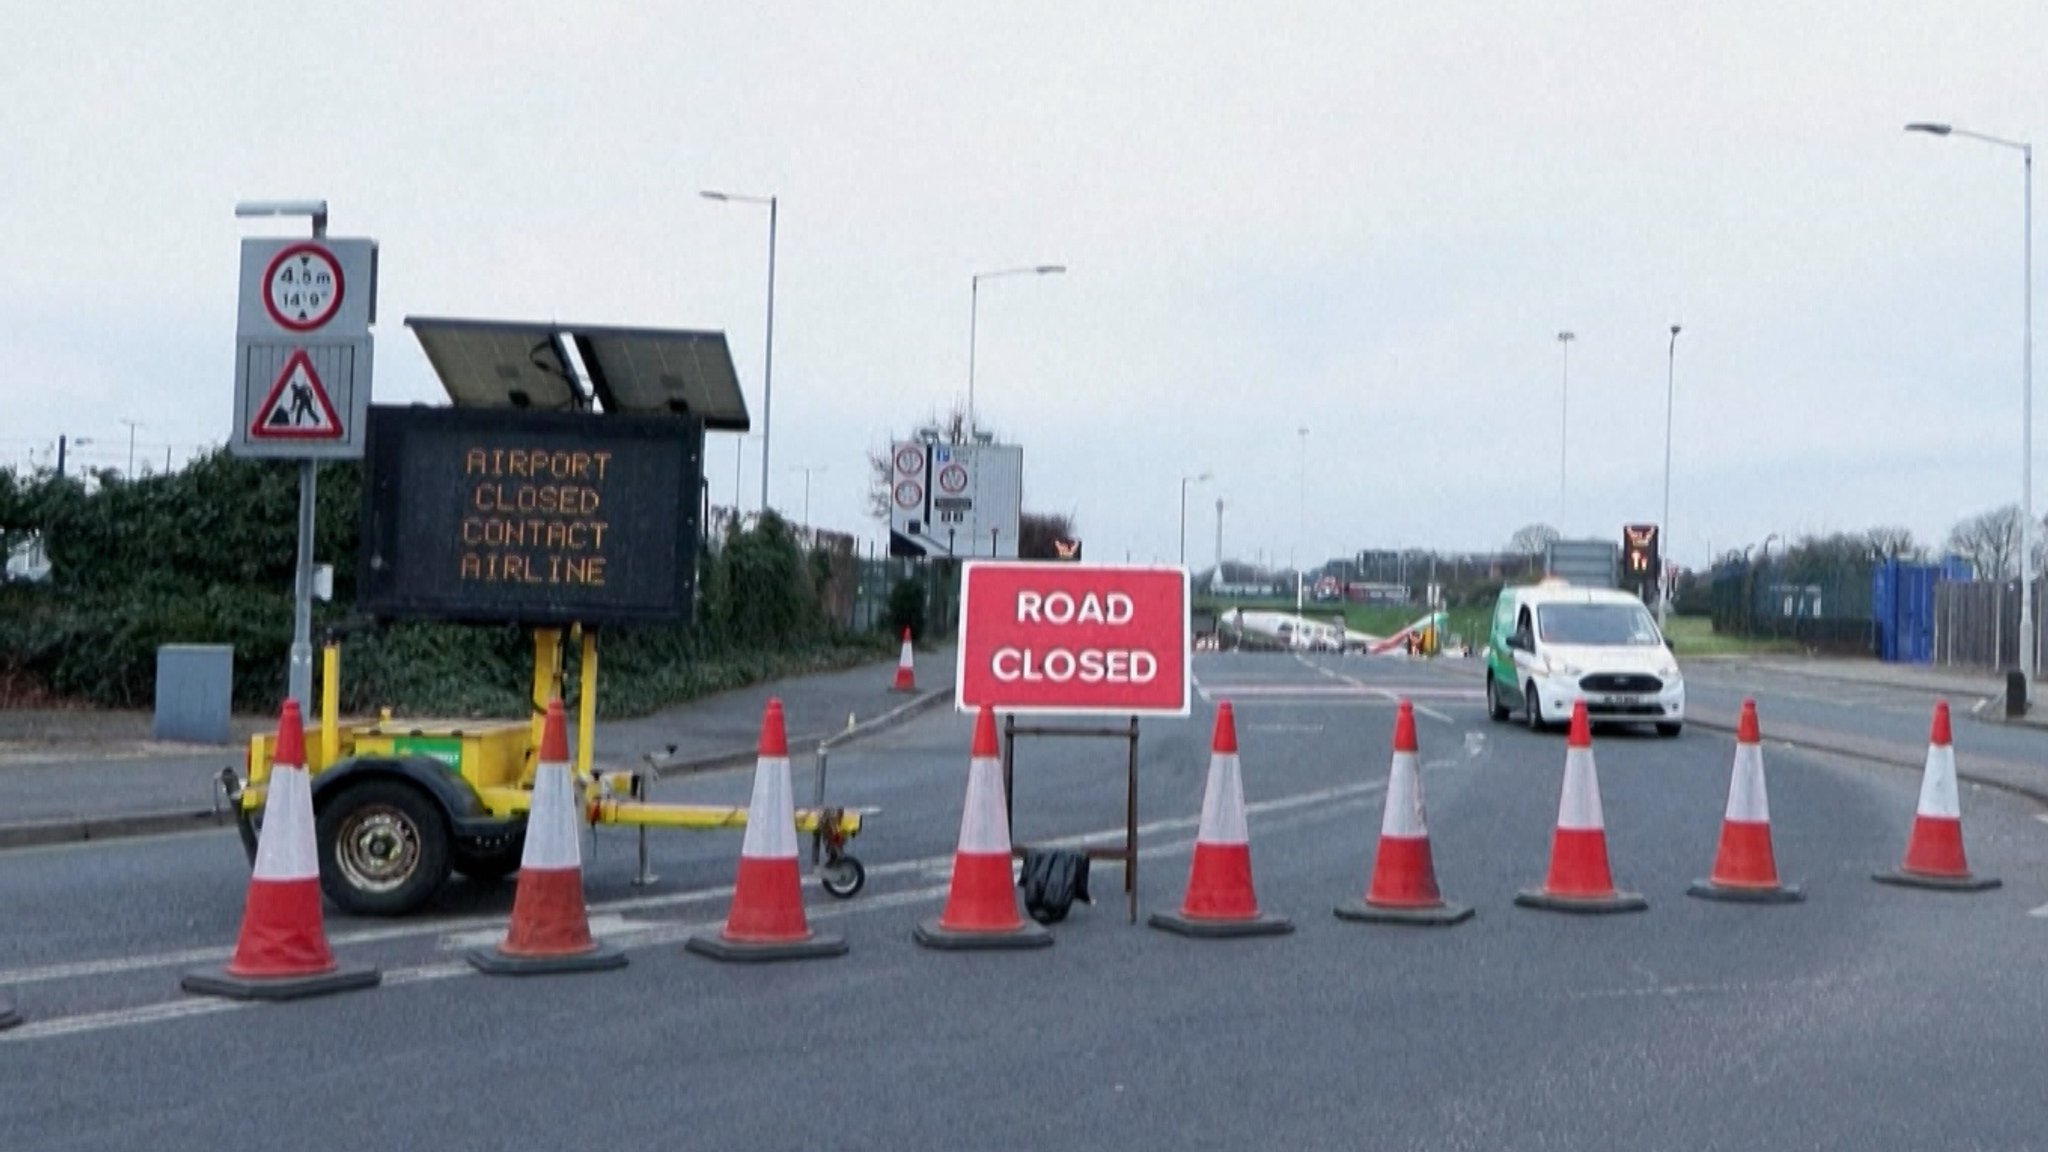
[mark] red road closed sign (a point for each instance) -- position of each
(1073, 638)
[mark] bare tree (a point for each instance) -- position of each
(1894, 543)
(1990, 541)
(1531, 539)
(1037, 532)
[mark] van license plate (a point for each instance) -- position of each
(1626, 701)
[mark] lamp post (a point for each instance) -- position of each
(2026, 151)
(974, 318)
(1300, 514)
(1184, 482)
(807, 469)
(1664, 525)
(1564, 390)
(768, 358)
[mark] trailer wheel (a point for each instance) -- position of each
(843, 878)
(384, 848)
(493, 865)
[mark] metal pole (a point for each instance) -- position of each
(973, 318)
(768, 361)
(301, 669)
(2027, 449)
(1300, 514)
(1664, 526)
(1183, 521)
(1564, 391)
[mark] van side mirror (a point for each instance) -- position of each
(1519, 642)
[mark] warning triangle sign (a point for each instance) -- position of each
(297, 407)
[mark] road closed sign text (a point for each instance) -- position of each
(1074, 638)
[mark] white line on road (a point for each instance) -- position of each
(487, 929)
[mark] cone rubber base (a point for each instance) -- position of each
(1972, 883)
(813, 947)
(1030, 934)
(1440, 915)
(8, 1016)
(494, 962)
(1263, 924)
(1735, 894)
(280, 987)
(1589, 905)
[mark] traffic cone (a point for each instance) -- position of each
(282, 952)
(1579, 879)
(1934, 852)
(1220, 900)
(906, 674)
(767, 917)
(1745, 869)
(1403, 888)
(549, 930)
(981, 903)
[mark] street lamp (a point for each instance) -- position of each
(1564, 341)
(2026, 151)
(1664, 526)
(1300, 514)
(974, 318)
(768, 359)
(1184, 482)
(807, 469)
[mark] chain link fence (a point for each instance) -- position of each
(1821, 605)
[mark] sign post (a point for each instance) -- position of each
(302, 375)
(1089, 639)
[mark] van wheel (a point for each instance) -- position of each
(1496, 708)
(1534, 706)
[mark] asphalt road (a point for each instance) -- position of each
(1866, 1017)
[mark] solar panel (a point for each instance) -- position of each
(663, 370)
(500, 364)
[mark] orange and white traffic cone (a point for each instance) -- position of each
(1403, 888)
(981, 902)
(1220, 900)
(282, 952)
(1934, 851)
(1745, 868)
(767, 917)
(906, 672)
(550, 929)
(1579, 879)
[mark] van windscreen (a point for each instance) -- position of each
(1596, 624)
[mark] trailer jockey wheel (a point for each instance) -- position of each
(842, 876)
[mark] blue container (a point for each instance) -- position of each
(1902, 608)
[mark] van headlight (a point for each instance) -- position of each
(1555, 667)
(1668, 671)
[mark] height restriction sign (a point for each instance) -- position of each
(303, 348)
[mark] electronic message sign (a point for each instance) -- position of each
(530, 517)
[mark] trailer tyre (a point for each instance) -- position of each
(843, 878)
(384, 848)
(493, 865)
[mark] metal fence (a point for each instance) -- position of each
(1977, 624)
(1823, 606)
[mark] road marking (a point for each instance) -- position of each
(494, 925)
(2042, 911)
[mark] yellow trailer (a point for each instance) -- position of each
(399, 804)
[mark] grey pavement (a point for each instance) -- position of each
(82, 775)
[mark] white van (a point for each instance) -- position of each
(1554, 644)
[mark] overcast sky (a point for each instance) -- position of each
(1369, 220)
